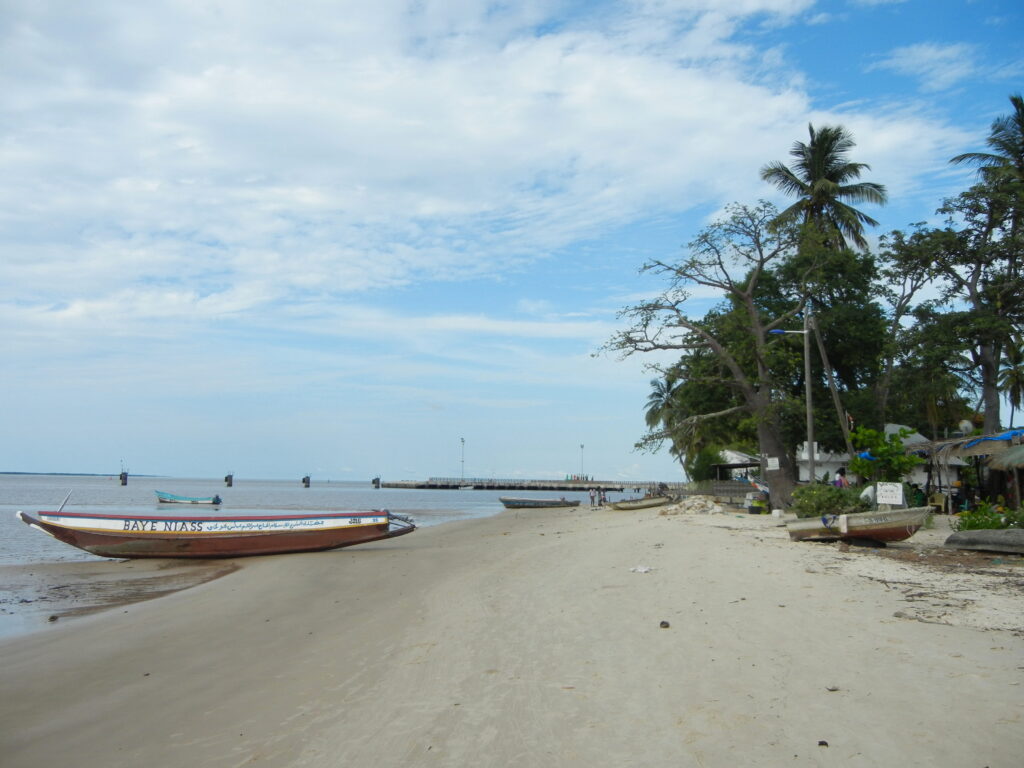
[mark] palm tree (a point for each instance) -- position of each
(661, 412)
(1006, 140)
(659, 402)
(821, 180)
(1011, 377)
(1004, 165)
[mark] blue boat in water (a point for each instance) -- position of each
(173, 498)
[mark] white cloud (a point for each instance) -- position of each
(264, 156)
(937, 67)
(251, 192)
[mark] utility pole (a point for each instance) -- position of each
(807, 385)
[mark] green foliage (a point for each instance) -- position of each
(987, 516)
(1014, 518)
(823, 180)
(701, 466)
(888, 462)
(818, 499)
(735, 385)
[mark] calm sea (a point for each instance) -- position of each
(20, 544)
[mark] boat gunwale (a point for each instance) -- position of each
(211, 518)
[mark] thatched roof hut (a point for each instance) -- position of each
(1010, 459)
(1005, 452)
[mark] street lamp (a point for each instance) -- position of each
(462, 475)
(581, 461)
(807, 385)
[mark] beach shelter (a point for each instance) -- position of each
(996, 447)
(1012, 461)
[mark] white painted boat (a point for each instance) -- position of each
(881, 525)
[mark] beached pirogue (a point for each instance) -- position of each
(221, 536)
(513, 503)
(643, 503)
(881, 526)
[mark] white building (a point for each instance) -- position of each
(826, 464)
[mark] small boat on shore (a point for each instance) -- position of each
(122, 536)
(643, 503)
(172, 498)
(513, 503)
(989, 540)
(882, 525)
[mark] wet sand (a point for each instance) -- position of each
(33, 596)
(539, 638)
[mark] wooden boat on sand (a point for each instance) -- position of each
(122, 536)
(989, 540)
(644, 503)
(513, 503)
(172, 498)
(882, 525)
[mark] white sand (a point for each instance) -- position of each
(527, 640)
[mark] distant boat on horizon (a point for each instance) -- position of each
(172, 498)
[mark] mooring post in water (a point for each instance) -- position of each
(229, 480)
(124, 478)
(305, 481)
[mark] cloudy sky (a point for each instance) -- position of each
(341, 238)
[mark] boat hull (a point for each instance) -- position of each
(653, 501)
(998, 540)
(213, 537)
(173, 498)
(511, 503)
(881, 526)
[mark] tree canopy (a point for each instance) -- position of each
(924, 331)
(823, 181)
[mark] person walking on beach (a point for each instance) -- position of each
(593, 493)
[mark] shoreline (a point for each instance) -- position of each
(35, 596)
(534, 639)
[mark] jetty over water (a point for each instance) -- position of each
(504, 484)
(731, 492)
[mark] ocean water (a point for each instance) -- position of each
(20, 544)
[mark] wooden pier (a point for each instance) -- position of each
(499, 484)
(727, 492)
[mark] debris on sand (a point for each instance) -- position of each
(694, 505)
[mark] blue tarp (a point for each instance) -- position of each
(1007, 435)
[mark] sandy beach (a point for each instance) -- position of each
(538, 638)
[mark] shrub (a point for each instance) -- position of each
(987, 515)
(818, 499)
(882, 456)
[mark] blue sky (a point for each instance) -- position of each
(339, 238)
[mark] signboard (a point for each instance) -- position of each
(772, 463)
(890, 493)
